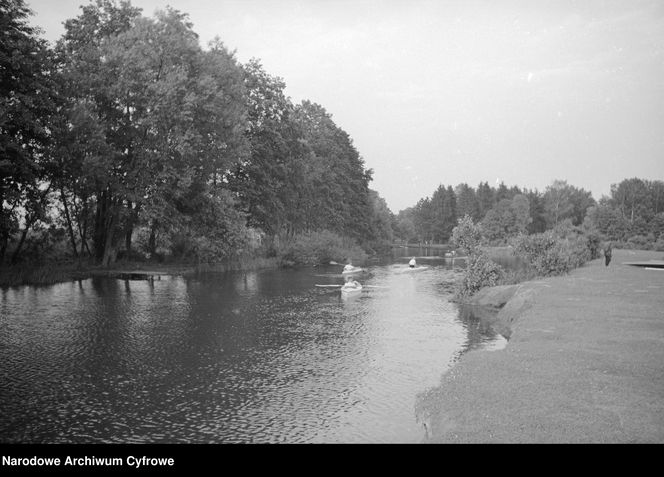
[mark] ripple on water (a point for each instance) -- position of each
(259, 357)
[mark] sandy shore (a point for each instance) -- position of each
(585, 363)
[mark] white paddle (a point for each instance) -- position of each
(363, 286)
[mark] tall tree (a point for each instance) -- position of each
(26, 109)
(537, 212)
(443, 213)
(405, 227)
(485, 198)
(502, 192)
(656, 196)
(507, 218)
(342, 187)
(466, 201)
(631, 198)
(423, 220)
(608, 221)
(521, 209)
(272, 183)
(557, 202)
(581, 200)
(382, 220)
(170, 116)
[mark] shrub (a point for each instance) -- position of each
(480, 272)
(316, 248)
(467, 235)
(549, 255)
(578, 250)
(638, 242)
(659, 245)
(542, 252)
(593, 242)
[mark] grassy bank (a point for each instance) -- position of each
(583, 365)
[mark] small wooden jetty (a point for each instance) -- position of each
(134, 274)
(647, 264)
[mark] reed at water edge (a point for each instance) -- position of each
(39, 274)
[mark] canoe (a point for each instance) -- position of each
(354, 270)
(350, 290)
(414, 269)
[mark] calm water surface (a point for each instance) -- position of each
(243, 357)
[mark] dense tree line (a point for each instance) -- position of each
(632, 215)
(127, 137)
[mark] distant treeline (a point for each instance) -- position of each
(129, 139)
(632, 216)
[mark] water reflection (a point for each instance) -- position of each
(241, 357)
(484, 332)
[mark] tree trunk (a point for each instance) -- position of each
(110, 254)
(106, 228)
(83, 228)
(132, 218)
(4, 232)
(128, 234)
(152, 241)
(68, 218)
(100, 229)
(86, 246)
(3, 248)
(110, 241)
(16, 253)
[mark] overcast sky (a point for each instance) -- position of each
(436, 91)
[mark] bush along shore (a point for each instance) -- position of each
(307, 249)
(551, 253)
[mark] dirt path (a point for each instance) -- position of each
(584, 364)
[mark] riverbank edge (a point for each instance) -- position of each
(499, 307)
(51, 274)
(492, 396)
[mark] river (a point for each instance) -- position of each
(263, 356)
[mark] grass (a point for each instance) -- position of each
(512, 277)
(46, 274)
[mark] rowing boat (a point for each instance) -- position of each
(352, 270)
(413, 269)
(351, 289)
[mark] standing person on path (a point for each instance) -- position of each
(607, 254)
(412, 263)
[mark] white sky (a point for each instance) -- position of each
(435, 91)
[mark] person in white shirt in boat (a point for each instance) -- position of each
(351, 283)
(349, 266)
(412, 263)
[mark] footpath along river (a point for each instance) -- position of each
(237, 357)
(585, 364)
